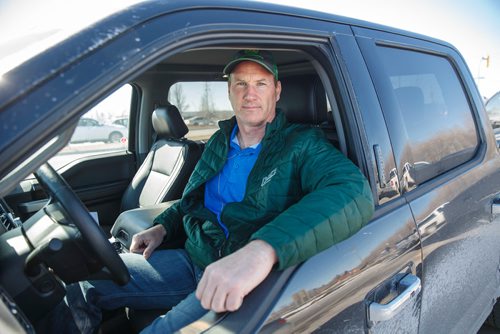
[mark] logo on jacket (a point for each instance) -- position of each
(268, 178)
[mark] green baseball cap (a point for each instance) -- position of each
(263, 58)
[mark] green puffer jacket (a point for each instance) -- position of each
(302, 197)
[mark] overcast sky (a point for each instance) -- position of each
(472, 26)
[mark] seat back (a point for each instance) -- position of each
(411, 99)
(168, 165)
(303, 100)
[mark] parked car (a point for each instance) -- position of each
(426, 263)
(90, 130)
(121, 121)
(493, 109)
(198, 120)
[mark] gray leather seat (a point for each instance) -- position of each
(303, 100)
(168, 165)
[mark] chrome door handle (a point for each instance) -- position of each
(381, 312)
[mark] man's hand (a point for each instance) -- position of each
(145, 242)
(227, 281)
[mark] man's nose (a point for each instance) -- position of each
(251, 92)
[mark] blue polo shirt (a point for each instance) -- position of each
(229, 185)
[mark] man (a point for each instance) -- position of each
(265, 194)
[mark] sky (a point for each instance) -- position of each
(472, 26)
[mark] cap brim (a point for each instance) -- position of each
(232, 64)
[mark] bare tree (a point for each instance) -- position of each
(177, 98)
(207, 107)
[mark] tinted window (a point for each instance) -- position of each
(436, 117)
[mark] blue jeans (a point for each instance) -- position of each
(167, 279)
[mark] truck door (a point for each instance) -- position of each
(442, 159)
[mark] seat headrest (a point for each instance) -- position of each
(410, 97)
(168, 122)
(303, 99)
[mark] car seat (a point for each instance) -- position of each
(168, 165)
(303, 100)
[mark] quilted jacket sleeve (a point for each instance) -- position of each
(171, 219)
(338, 202)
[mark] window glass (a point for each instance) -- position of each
(493, 109)
(202, 105)
(437, 119)
(102, 129)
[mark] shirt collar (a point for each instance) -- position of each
(234, 139)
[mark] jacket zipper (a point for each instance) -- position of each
(219, 223)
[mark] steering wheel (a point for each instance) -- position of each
(59, 190)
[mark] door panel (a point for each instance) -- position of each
(449, 176)
(100, 183)
(461, 252)
(350, 276)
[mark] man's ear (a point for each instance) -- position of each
(278, 90)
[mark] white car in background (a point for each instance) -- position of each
(90, 130)
(123, 121)
(199, 120)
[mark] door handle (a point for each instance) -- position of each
(381, 312)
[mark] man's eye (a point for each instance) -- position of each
(242, 84)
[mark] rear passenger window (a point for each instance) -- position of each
(437, 123)
(202, 105)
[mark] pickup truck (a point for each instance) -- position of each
(402, 106)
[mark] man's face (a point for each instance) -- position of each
(253, 94)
